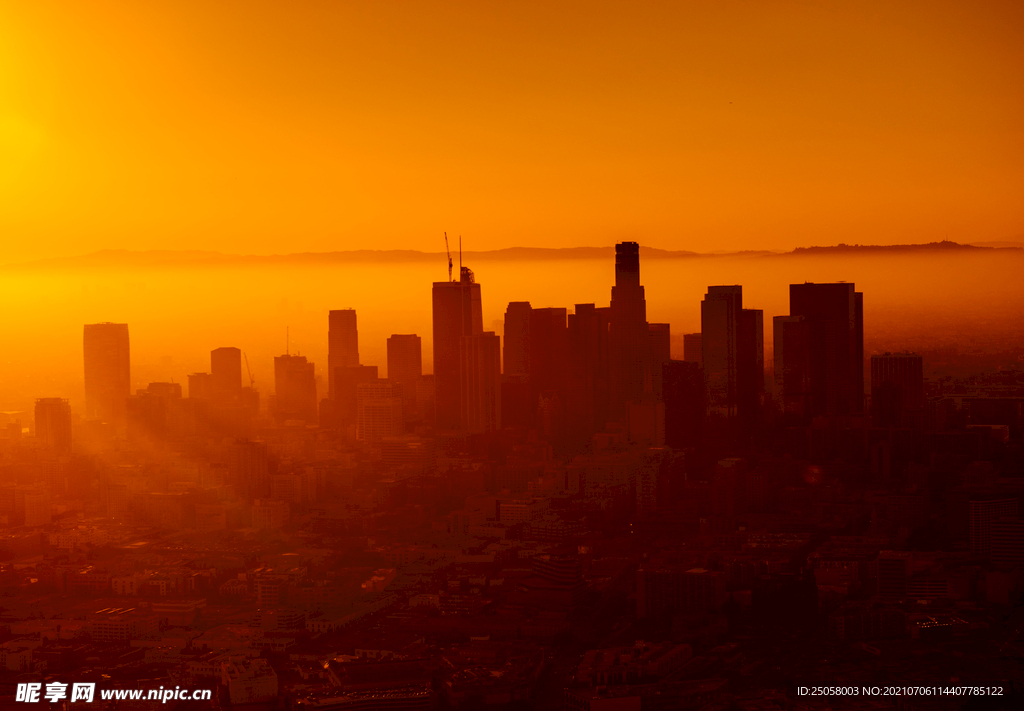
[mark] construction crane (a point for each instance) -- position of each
(449, 253)
(252, 380)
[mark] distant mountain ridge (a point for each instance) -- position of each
(944, 245)
(181, 258)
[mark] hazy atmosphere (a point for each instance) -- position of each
(547, 355)
(969, 300)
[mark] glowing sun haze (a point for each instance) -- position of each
(269, 127)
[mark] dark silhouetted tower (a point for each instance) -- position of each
(200, 386)
(346, 381)
(481, 382)
(342, 343)
(750, 369)
(53, 424)
(732, 339)
(587, 399)
(295, 389)
(693, 349)
(226, 371)
(835, 325)
(405, 367)
(517, 338)
(456, 313)
(379, 410)
(107, 371)
(629, 337)
(549, 365)
(683, 393)
(660, 352)
(154, 413)
(518, 397)
(249, 469)
(791, 344)
(897, 390)
(720, 323)
(549, 349)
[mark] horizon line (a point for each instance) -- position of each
(197, 257)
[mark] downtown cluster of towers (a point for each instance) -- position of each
(569, 376)
(607, 369)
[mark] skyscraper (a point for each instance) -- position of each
(456, 313)
(897, 390)
(295, 389)
(685, 409)
(379, 410)
(346, 380)
(791, 344)
(53, 424)
(587, 388)
(518, 398)
(200, 386)
(835, 330)
(481, 382)
(107, 371)
(693, 349)
(405, 367)
(155, 414)
(750, 368)
(549, 349)
(226, 371)
(732, 339)
(249, 469)
(660, 352)
(342, 343)
(719, 325)
(629, 337)
(517, 338)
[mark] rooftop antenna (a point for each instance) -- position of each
(287, 341)
(460, 256)
(252, 380)
(449, 253)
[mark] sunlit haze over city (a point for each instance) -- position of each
(480, 356)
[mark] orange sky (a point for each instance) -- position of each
(268, 126)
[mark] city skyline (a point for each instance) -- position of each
(536, 356)
(683, 314)
(836, 501)
(604, 363)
